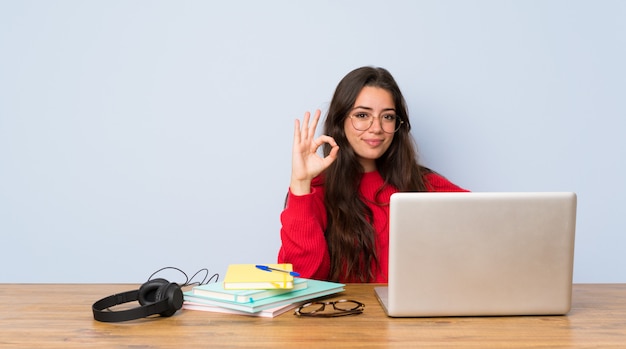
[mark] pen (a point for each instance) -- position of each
(266, 268)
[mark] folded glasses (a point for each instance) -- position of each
(340, 307)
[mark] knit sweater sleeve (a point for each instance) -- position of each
(436, 182)
(302, 234)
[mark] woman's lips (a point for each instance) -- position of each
(373, 142)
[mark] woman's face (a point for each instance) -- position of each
(372, 143)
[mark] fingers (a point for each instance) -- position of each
(313, 126)
(305, 132)
(319, 141)
(296, 132)
(334, 149)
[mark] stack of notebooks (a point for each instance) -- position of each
(249, 290)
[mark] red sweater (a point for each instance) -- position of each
(304, 223)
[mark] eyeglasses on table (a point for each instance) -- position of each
(340, 307)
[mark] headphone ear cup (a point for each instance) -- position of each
(148, 291)
(174, 296)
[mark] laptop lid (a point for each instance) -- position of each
(480, 254)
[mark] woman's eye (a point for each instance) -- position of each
(361, 115)
(390, 117)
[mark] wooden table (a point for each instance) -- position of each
(59, 316)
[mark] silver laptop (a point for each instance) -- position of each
(480, 254)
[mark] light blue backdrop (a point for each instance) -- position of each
(141, 134)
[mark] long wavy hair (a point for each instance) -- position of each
(350, 233)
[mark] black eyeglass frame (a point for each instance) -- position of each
(357, 309)
(399, 123)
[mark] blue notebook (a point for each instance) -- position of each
(315, 289)
(217, 291)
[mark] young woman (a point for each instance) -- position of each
(335, 221)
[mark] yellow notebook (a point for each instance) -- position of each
(249, 277)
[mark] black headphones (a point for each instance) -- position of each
(157, 296)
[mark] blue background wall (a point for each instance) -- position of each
(141, 134)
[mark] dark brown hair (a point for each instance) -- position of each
(350, 234)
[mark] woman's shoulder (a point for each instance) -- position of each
(436, 182)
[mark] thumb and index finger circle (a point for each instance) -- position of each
(319, 141)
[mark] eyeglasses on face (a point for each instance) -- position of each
(362, 121)
(341, 307)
